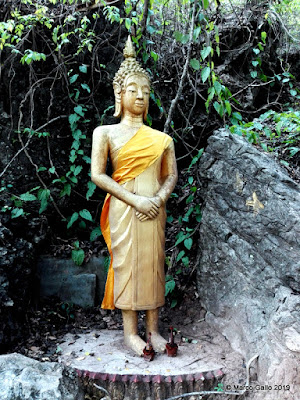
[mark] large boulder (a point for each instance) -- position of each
(248, 273)
(27, 379)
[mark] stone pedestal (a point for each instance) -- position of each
(101, 358)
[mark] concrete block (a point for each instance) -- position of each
(82, 285)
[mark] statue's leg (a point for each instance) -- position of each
(131, 338)
(158, 342)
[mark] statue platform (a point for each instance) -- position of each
(101, 358)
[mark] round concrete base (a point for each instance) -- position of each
(102, 358)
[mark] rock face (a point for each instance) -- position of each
(17, 257)
(249, 260)
(27, 379)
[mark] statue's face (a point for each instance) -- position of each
(135, 96)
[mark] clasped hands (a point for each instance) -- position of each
(147, 207)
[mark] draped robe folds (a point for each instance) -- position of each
(136, 279)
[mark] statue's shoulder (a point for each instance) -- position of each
(104, 131)
(159, 133)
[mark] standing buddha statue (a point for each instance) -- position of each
(133, 215)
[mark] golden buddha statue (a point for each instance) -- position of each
(133, 215)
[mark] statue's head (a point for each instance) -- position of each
(129, 74)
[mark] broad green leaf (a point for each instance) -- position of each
(43, 196)
(294, 150)
(154, 55)
(264, 147)
(188, 243)
(173, 303)
(73, 218)
(217, 107)
(87, 159)
(255, 63)
(170, 219)
(95, 233)
(73, 118)
(218, 87)
(83, 68)
(77, 170)
(293, 92)
(66, 190)
(86, 215)
(256, 51)
(17, 212)
(194, 63)
(73, 179)
(151, 29)
(170, 286)
(197, 32)
(205, 4)
(205, 74)
(78, 256)
(237, 116)
(128, 23)
(285, 163)
(212, 92)
(205, 52)
(86, 87)
(180, 238)
(187, 214)
(253, 74)
(263, 36)
(180, 255)
(73, 78)
(28, 197)
(228, 107)
(186, 261)
(91, 189)
(77, 133)
(78, 109)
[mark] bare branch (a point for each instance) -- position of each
(184, 73)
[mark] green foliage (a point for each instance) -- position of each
(77, 254)
(275, 132)
(188, 222)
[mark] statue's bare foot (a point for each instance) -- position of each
(135, 343)
(158, 342)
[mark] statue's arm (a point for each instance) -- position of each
(169, 177)
(99, 156)
(98, 168)
(169, 173)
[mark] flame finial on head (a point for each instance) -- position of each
(129, 51)
(128, 67)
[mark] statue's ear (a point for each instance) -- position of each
(118, 100)
(146, 113)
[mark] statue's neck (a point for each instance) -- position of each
(133, 121)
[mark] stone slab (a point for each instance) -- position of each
(98, 353)
(82, 285)
(79, 289)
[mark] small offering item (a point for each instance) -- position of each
(148, 351)
(171, 346)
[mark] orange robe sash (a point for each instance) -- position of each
(142, 150)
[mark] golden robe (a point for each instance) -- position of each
(136, 279)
